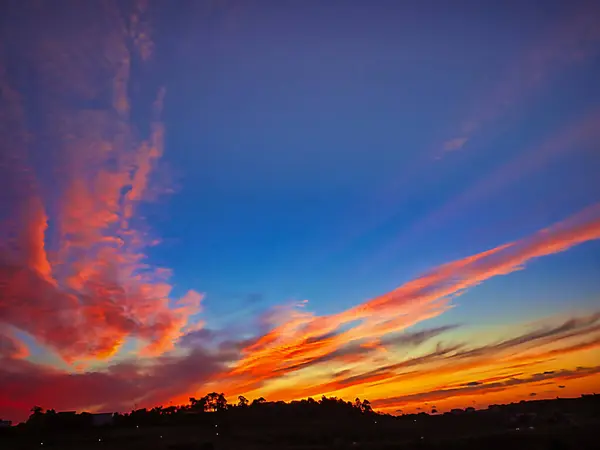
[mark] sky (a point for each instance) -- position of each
(391, 200)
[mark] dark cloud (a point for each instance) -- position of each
(10, 347)
(441, 352)
(573, 327)
(416, 337)
(117, 388)
(197, 337)
(389, 370)
(580, 372)
(356, 349)
(322, 337)
(237, 344)
(533, 394)
(342, 373)
(561, 386)
(353, 349)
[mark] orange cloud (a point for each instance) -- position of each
(33, 235)
(458, 363)
(304, 341)
(439, 394)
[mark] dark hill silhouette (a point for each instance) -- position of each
(213, 422)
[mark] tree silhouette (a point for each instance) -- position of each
(366, 406)
(213, 402)
(242, 401)
(221, 402)
(198, 405)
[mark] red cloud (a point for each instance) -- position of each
(94, 290)
(10, 347)
(117, 388)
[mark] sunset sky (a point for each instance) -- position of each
(396, 200)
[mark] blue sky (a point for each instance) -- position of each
(314, 133)
(359, 155)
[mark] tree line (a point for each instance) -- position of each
(213, 407)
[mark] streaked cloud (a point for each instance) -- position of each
(571, 41)
(525, 352)
(306, 340)
(565, 374)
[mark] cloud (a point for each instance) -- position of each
(93, 289)
(451, 359)
(11, 347)
(574, 327)
(119, 387)
(570, 42)
(514, 350)
(75, 276)
(454, 144)
(300, 340)
(483, 388)
(415, 338)
(197, 337)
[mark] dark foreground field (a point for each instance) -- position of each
(544, 425)
(554, 438)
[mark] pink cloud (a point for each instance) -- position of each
(455, 144)
(96, 290)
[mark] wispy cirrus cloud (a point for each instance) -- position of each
(523, 352)
(569, 42)
(574, 137)
(455, 144)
